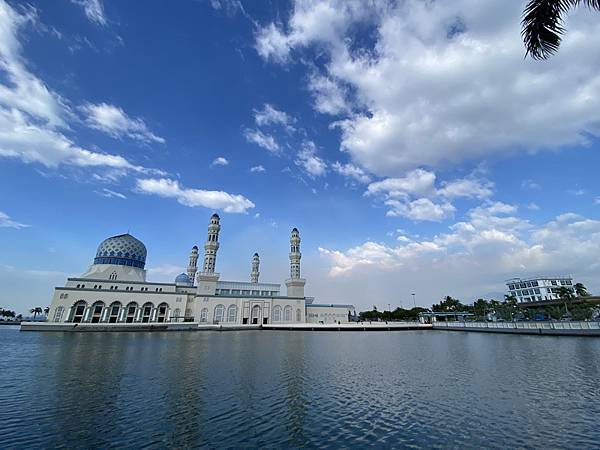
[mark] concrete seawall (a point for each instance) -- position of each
(195, 326)
(534, 328)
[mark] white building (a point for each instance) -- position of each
(538, 289)
(115, 290)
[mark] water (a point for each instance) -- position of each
(298, 389)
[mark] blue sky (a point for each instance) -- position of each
(410, 142)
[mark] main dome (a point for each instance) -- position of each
(122, 250)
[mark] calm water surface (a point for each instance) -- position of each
(298, 389)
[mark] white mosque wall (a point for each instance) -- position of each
(115, 272)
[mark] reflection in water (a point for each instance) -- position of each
(288, 389)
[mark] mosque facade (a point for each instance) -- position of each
(114, 290)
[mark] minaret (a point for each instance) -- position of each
(207, 278)
(295, 284)
(193, 265)
(255, 273)
(212, 245)
(295, 255)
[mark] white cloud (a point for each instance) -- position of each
(272, 44)
(309, 161)
(329, 97)
(269, 115)
(417, 181)
(466, 187)
(114, 121)
(597, 201)
(257, 169)
(94, 10)
(472, 259)
(164, 187)
(261, 139)
(108, 193)
(31, 114)
(220, 161)
(351, 171)
(420, 209)
(432, 95)
(7, 222)
(533, 206)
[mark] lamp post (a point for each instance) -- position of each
(414, 301)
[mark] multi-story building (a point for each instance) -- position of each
(538, 289)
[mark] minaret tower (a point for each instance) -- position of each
(295, 284)
(255, 273)
(212, 245)
(193, 265)
(207, 278)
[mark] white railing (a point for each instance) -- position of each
(576, 325)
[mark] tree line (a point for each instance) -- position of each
(508, 309)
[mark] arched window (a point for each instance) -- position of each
(97, 309)
(113, 314)
(287, 314)
(232, 313)
(203, 315)
(113, 276)
(147, 312)
(131, 310)
(255, 314)
(277, 314)
(162, 312)
(218, 314)
(79, 311)
(298, 315)
(58, 314)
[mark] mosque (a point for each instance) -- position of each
(114, 290)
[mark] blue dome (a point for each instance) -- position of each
(122, 250)
(182, 278)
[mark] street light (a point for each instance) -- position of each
(414, 301)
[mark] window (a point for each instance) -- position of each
(298, 315)
(218, 314)
(58, 314)
(232, 313)
(277, 314)
(203, 314)
(79, 311)
(287, 314)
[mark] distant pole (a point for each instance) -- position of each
(414, 301)
(389, 307)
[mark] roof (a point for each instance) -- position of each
(330, 305)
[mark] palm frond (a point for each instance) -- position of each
(542, 25)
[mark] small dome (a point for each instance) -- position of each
(256, 254)
(195, 247)
(182, 278)
(122, 250)
(216, 216)
(294, 230)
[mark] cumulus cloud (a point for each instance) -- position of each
(7, 222)
(220, 161)
(474, 257)
(257, 169)
(308, 160)
(351, 171)
(261, 139)
(93, 9)
(269, 115)
(416, 196)
(329, 96)
(431, 92)
(114, 121)
(165, 187)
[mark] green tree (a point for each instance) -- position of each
(580, 290)
(480, 307)
(566, 295)
(542, 24)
